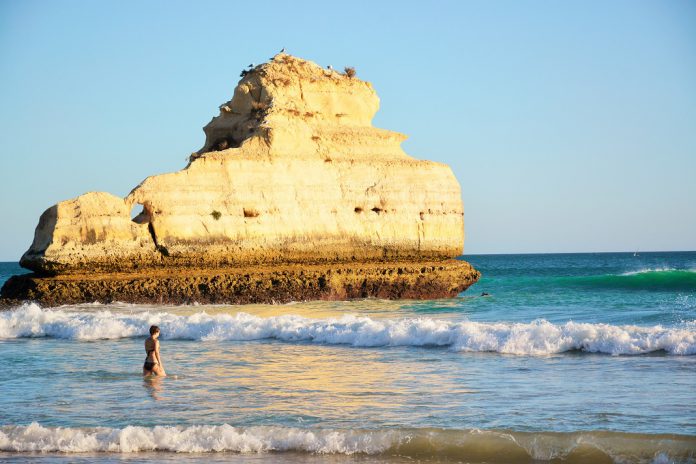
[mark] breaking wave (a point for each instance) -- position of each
(472, 445)
(660, 279)
(536, 338)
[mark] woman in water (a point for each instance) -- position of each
(153, 362)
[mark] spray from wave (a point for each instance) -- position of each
(649, 270)
(472, 445)
(535, 338)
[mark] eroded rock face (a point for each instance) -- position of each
(92, 230)
(254, 284)
(292, 171)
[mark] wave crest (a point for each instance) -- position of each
(192, 439)
(472, 445)
(536, 338)
(657, 279)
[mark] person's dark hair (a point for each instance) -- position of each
(154, 329)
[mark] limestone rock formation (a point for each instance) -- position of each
(92, 230)
(292, 171)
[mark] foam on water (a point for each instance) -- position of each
(192, 439)
(656, 269)
(473, 445)
(536, 338)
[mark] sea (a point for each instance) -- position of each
(548, 358)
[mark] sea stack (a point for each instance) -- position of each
(294, 196)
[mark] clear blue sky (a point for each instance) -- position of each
(571, 126)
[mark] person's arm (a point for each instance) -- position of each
(157, 354)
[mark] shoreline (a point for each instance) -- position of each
(250, 284)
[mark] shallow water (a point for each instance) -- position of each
(584, 357)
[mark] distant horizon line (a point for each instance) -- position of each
(639, 252)
(536, 253)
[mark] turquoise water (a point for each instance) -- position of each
(572, 357)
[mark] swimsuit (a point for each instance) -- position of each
(149, 365)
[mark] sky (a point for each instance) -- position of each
(571, 126)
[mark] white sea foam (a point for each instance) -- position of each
(192, 439)
(536, 338)
(649, 270)
(482, 445)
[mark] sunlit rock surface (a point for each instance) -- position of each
(292, 172)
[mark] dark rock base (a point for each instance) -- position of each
(278, 284)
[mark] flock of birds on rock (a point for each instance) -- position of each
(282, 51)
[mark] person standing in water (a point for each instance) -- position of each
(153, 362)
